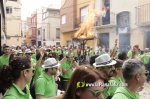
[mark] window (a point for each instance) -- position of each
(44, 15)
(8, 9)
(43, 34)
(63, 19)
(57, 33)
(84, 13)
(38, 32)
(57, 43)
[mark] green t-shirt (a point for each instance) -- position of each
(59, 52)
(129, 54)
(145, 59)
(14, 92)
(124, 93)
(34, 56)
(75, 53)
(4, 60)
(37, 73)
(67, 65)
(111, 89)
(45, 86)
(33, 62)
(91, 53)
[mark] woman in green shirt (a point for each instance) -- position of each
(15, 77)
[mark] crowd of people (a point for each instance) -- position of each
(56, 72)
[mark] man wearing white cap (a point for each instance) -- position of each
(45, 86)
(29, 54)
(105, 65)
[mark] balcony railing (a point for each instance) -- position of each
(108, 20)
(142, 15)
(32, 25)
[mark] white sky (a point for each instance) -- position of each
(29, 6)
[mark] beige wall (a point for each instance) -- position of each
(125, 5)
(14, 23)
(142, 2)
(14, 28)
(66, 37)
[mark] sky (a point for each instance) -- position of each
(29, 6)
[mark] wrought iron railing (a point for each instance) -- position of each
(109, 18)
(142, 14)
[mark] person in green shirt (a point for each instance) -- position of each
(29, 53)
(105, 65)
(14, 79)
(19, 53)
(116, 79)
(67, 69)
(45, 86)
(135, 75)
(91, 52)
(4, 59)
(41, 57)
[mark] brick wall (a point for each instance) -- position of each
(68, 9)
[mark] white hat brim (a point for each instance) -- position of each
(51, 66)
(112, 63)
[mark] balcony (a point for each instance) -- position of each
(32, 25)
(142, 15)
(32, 37)
(108, 21)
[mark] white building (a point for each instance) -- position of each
(51, 27)
(23, 31)
(39, 27)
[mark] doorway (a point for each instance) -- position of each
(103, 40)
(124, 41)
(146, 40)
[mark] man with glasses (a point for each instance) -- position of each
(45, 86)
(135, 75)
(105, 65)
(29, 54)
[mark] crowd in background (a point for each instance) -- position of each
(28, 72)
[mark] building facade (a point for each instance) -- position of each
(39, 27)
(143, 22)
(33, 28)
(28, 40)
(13, 13)
(23, 31)
(128, 22)
(50, 27)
